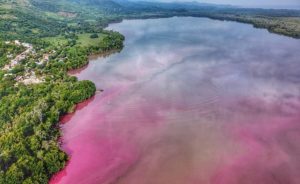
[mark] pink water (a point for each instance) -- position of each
(188, 101)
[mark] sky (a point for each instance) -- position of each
(251, 3)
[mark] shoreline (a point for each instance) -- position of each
(63, 119)
(250, 20)
(93, 56)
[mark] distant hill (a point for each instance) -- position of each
(42, 18)
(105, 3)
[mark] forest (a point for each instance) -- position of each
(29, 113)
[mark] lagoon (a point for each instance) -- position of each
(188, 101)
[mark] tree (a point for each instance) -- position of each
(95, 35)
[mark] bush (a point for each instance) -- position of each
(95, 35)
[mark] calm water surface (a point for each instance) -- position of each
(189, 101)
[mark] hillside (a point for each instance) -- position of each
(44, 18)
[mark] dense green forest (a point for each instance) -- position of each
(57, 36)
(36, 91)
(29, 113)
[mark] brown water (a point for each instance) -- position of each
(189, 101)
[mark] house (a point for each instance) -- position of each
(17, 42)
(46, 57)
(27, 45)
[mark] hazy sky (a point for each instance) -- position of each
(251, 3)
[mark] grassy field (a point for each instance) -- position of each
(83, 40)
(58, 40)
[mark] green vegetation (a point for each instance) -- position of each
(95, 35)
(29, 113)
(35, 89)
(288, 26)
(8, 51)
(90, 39)
(56, 40)
(29, 116)
(34, 19)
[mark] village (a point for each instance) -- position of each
(29, 76)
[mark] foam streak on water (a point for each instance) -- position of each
(189, 101)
